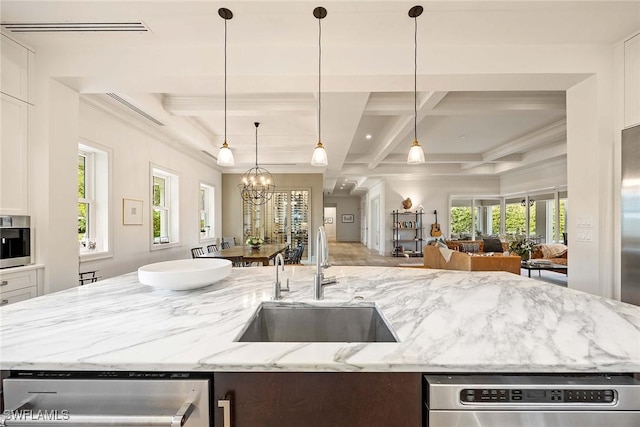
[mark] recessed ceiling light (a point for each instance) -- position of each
(368, 136)
(463, 136)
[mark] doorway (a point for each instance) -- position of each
(330, 223)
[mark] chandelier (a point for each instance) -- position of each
(257, 183)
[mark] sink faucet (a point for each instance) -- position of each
(322, 261)
(277, 287)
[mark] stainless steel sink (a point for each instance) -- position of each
(279, 322)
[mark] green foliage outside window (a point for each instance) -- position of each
(82, 207)
(159, 188)
(460, 220)
(156, 224)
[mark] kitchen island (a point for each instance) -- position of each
(445, 321)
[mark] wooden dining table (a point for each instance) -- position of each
(263, 254)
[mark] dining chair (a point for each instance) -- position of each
(236, 261)
(295, 255)
(225, 245)
(196, 252)
(212, 248)
(88, 277)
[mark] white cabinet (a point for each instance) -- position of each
(18, 284)
(16, 67)
(13, 156)
(17, 64)
(632, 81)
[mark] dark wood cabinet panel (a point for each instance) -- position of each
(327, 399)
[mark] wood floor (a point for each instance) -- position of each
(352, 253)
(341, 253)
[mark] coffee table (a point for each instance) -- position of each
(537, 267)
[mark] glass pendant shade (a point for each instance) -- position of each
(225, 156)
(319, 157)
(416, 154)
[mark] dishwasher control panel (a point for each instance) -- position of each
(537, 395)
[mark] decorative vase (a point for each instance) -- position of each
(255, 246)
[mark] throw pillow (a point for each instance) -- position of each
(470, 247)
(492, 245)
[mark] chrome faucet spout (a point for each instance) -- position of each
(322, 261)
(277, 286)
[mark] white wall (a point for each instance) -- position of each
(54, 183)
(58, 123)
(134, 148)
(590, 170)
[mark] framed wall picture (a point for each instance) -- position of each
(347, 217)
(131, 212)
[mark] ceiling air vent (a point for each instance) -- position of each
(134, 108)
(70, 27)
(210, 155)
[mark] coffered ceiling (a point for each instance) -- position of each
(469, 124)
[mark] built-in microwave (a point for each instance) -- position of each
(15, 241)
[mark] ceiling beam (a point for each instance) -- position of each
(404, 127)
(556, 131)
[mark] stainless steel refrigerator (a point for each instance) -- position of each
(630, 261)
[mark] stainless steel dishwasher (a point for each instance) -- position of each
(106, 399)
(531, 401)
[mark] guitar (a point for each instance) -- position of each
(435, 227)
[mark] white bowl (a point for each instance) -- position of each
(183, 274)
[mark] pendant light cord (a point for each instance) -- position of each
(319, 78)
(415, 80)
(225, 80)
(256, 144)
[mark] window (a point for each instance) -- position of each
(165, 203)
(93, 200)
(206, 202)
(487, 217)
(461, 219)
(560, 217)
(539, 216)
(515, 216)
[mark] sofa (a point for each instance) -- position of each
(473, 245)
(556, 253)
(434, 258)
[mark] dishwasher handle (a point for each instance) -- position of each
(26, 415)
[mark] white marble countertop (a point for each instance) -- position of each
(446, 321)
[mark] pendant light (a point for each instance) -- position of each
(416, 154)
(225, 156)
(319, 157)
(257, 186)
